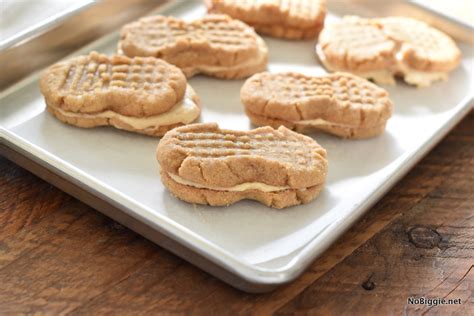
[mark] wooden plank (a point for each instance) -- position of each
(24, 199)
(68, 258)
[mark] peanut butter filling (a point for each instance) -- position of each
(238, 188)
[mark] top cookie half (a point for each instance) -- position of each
(291, 19)
(96, 83)
(206, 155)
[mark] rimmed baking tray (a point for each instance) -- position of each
(248, 245)
(32, 18)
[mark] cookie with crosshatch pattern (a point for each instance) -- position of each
(143, 95)
(383, 48)
(290, 19)
(203, 164)
(341, 104)
(215, 45)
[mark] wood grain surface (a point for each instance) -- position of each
(59, 256)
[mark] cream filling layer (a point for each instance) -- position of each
(183, 112)
(258, 60)
(321, 122)
(412, 76)
(238, 188)
(416, 77)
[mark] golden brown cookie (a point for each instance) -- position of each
(203, 164)
(290, 19)
(143, 95)
(215, 45)
(382, 48)
(341, 104)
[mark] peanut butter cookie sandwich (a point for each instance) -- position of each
(341, 104)
(215, 45)
(384, 48)
(203, 164)
(142, 95)
(289, 19)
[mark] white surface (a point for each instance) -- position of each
(247, 236)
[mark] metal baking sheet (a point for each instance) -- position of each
(250, 246)
(22, 19)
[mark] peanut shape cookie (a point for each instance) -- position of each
(382, 48)
(290, 19)
(341, 104)
(215, 45)
(143, 95)
(203, 164)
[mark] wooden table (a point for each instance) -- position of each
(57, 255)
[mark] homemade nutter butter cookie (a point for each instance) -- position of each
(215, 45)
(290, 19)
(382, 48)
(143, 95)
(341, 104)
(203, 164)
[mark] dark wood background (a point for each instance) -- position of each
(57, 255)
